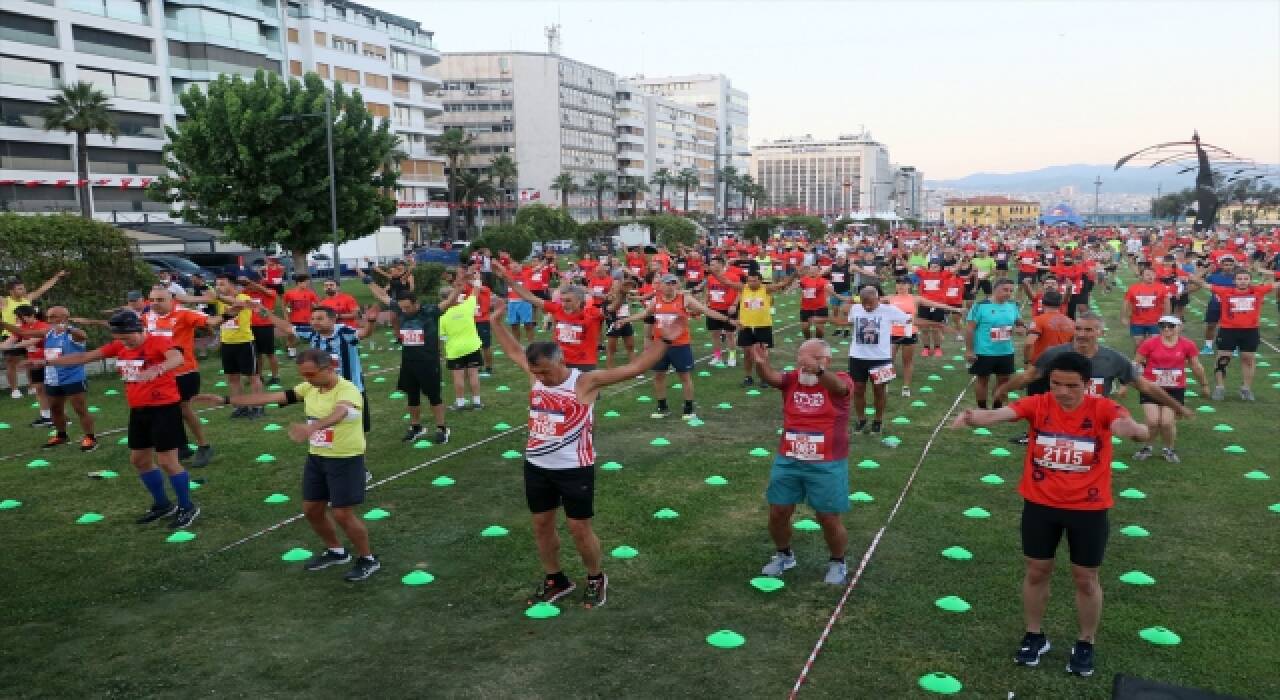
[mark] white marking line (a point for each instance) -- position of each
(615, 391)
(875, 542)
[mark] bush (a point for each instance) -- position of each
(508, 238)
(814, 225)
(544, 223)
(672, 231)
(427, 278)
(100, 259)
(759, 230)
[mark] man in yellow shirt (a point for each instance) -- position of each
(462, 345)
(16, 295)
(755, 313)
(239, 359)
(333, 476)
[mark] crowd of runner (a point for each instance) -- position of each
(895, 300)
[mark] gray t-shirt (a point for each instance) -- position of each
(1109, 367)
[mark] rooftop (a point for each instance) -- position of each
(990, 199)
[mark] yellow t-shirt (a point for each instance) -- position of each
(238, 329)
(346, 439)
(753, 309)
(7, 309)
(458, 325)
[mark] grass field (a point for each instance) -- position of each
(113, 610)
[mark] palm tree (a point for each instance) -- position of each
(455, 145)
(746, 184)
(472, 189)
(662, 177)
(503, 170)
(729, 176)
(80, 109)
(758, 192)
(566, 186)
(600, 183)
(632, 187)
(687, 179)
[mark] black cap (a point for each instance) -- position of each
(406, 295)
(125, 322)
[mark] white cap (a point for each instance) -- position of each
(1170, 319)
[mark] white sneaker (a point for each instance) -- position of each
(906, 392)
(779, 563)
(31, 391)
(733, 359)
(837, 572)
(15, 394)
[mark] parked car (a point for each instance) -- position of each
(438, 255)
(179, 267)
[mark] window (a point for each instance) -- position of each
(345, 45)
(124, 85)
(402, 115)
(346, 75)
(127, 10)
(27, 30)
(112, 45)
(378, 110)
(20, 71)
(323, 70)
(293, 35)
(20, 155)
(320, 39)
(375, 51)
(400, 60)
(375, 81)
(209, 58)
(399, 87)
(295, 68)
(121, 161)
(42, 198)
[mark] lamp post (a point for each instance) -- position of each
(333, 183)
(1097, 190)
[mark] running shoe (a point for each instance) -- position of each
(597, 592)
(1206, 350)
(1020, 440)
(15, 394)
(240, 412)
(364, 568)
(185, 452)
(441, 436)
(273, 381)
(1144, 453)
(326, 559)
(748, 382)
(1081, 662)
(861, 426)
(779, 563)
(548, 591)
(661, 413)
(42, 422)
(55, 441)
(1170, 455)
(937, 352)
(413, 433)
(204, 453)
(924, 352)
(688, 416)
(1218, 394)
(1033, 647)
(877, 427)
(88, 444)
(183, 518)
(156, 512)
(906, 392)
(1247, 395)
(837, 572)
(733, 358)
(477, 406)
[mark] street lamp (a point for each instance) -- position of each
(333, 183)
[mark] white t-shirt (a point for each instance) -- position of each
(871, 331)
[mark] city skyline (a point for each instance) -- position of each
(954, 88)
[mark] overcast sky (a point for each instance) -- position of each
(950, 87)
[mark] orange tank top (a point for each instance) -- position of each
(907, 303)
(665, 312)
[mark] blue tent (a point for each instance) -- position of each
(1061, 214)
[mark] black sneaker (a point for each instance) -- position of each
(185, 452)
(442, 436)
(364, 568)
(156, 512)
(596, 593)
(877, 427)
(41, 422)
(413, 433)
(204, 453)
(1033, 647)
(748, 382)
(257, 412)
(1020, 440)
(1081, 662)
(326, 559)
(274, 381)
(183, 518)
(240, 412)
(548, 591)
(862, 426)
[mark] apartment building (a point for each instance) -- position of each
(549, 113)
(656, 133)
(908, 192)
(826, 177)
(144, 53)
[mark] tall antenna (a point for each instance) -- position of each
(553, 38)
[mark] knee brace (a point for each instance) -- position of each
(1221, 367)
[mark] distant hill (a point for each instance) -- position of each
(1127, 180)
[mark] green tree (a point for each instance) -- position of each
(1172, 206)
(474, 190)
(544, 223)
(80, 109)
(746, 185)
(670, 230)
(250, 159)
(632, 188)
(504, 238)
(687, 180)
(661, 178)
(503, 170)
(729, 176)
(565, 185)
(758, 193)
(455, 145)
(600, 183)
(759, 229)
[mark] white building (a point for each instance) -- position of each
(656, 133)
(846, 176)
(551, 114)
(143, 53)
(908, 192)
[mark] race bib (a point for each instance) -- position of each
(932, 285)
(231, 324)
(1097, 386)
(753, 303)
(570, 333)
(1241, 304)
(129, 369)
(411, 337)
(837, 277)
(321, 438)
(883, 374)
(804, 446)
(52, 353)
(665, 319)
(1069, 453)
(1168, 377)
(1144, 301)
(810, 293)
(695, 274)
(999, 334)
(635, 271)
(545, 424)
(901, 329)
(717, 295)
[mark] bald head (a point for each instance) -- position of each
(160, 299)
(57, 314)
(814, 347)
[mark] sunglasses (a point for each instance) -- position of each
(1168, 325)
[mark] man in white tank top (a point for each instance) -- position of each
(559, 466)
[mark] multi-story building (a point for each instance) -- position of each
(729, 105)
(908, 192)
(551, 114)
(831, 178)
(991, 211)
(144, 53)
(655, 134)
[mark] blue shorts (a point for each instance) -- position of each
(1213, 314)
(519, 312)
(678, 357)
(1136, 329)
(823, 485)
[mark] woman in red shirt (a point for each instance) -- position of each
(1164, 360)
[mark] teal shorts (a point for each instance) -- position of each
(823, 485)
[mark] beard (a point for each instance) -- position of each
(806, 379)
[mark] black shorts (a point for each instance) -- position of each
(903, 340)
(472, 359)
(548, 489)
(984, 286)
(987, 365)
(1179, 395)
(239, 358)
(157, 428)
(418, 377)
(928, 313)
(860, 369)
(1042, 528)
(72, 389)
(188, 385)
(1232, 339)
(264, 339)
(1027, 276)
(626, 330)
(15, 352)
(337, 480)
(1212, 314)
(485, 331)
(35, 375)
(715, 325)
(541, 294)
(750, 336)
(806, 314)
(1181, 301)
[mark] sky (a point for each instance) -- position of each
(950, 87)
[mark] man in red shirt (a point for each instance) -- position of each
(273, 275)
(343, 304)
(1028, 270)
(1144, 304)
(1066, 487)
(146, 363)
(577, 323)
(815, 291)
(179, 325)
(484, 302)
(264, 329)
(299, 300)
(1238, 328)
(723, 298)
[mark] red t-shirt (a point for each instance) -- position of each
(273, 274)
(599, 286)
(813, 293)
(36, 351)
(341, 303)
(932, 284)
(1241, 308)
(636, 263)
(1167, 365)
(587, 265)
(1068, 462)
(161, 391)
(1147, 301)
(179, 328)
(1027, 261)
(720, 297)
(261, 302)
(664, 312)
(577, 334)
(815, 424)
(536, 280)
(693, 268)
(299, 302)
(484, 301)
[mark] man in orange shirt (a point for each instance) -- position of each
(299, 300)
(178, 325)
(1047, 329)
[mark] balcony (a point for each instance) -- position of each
(401, 94)
(417, 127)
(34, 80)
(185, 32)
(125, 11)
(266, 10)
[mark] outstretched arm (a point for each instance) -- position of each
(39, 292)
(976, 417)
(597, 380)
(512, 347)
(1127, 427)
(760, 357)
(517, 286)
